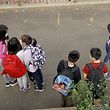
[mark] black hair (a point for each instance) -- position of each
(73, 56)
(3, 27)
(108, 27)
(14, 46)
(3, 32)
(34, 42)
(96, 53)
(26, 39)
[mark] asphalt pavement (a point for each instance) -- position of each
(58, 30)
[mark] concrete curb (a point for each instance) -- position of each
(67, 108)
(54, 4)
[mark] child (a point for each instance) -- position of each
(75, 76)
(107, 46)
(95, 54)
(4, 31)
(3, 51)
(39, 58)
(14, 47)
(35, 71)
(107, 57)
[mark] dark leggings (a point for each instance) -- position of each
(37, 76)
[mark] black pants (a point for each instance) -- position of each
(67, 101)
(37, 76)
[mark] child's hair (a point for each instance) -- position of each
(14, 46)
(26, 39)
(108, 27)
(73, 56)
(34, 42)
(96, 53)
(3, 33)
(3, 27)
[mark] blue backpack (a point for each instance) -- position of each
(62, 83)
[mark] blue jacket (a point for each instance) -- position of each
(108, 45)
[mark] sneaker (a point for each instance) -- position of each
(21, 89)
(35, 83)
(7, 85)
(42, 83)
(25, 90)
(13, 83)
(40, 90)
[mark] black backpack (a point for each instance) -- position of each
(67, 71)
(96, 78)
(65, 77)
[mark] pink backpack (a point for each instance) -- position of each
(3, 50)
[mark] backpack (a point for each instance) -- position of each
(62, 82)
(38, 56)
(13, 66)
(96, 78)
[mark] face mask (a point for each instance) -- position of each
(6, 35)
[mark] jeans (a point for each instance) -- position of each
(107, 57)
(8, 79)
(67, 101)
(37, 75)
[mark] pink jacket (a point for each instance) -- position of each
(3, 49)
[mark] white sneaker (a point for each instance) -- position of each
(7, 85)
(13, 84)
(21, 89)
(25, 90)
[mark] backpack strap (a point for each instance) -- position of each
(91, 66)
(101, 66)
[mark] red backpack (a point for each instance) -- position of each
(13, 66)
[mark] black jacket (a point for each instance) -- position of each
(75, 76)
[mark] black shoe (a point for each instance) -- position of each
(40, 90)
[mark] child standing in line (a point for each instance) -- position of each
(35, 71)
(96, 78)
(75, 76)
(107, 56)
(3, 51)
(14, 47)
(107, 47)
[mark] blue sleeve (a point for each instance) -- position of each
(107, 47)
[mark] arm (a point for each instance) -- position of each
(77, 76)
(60, 66)
(106, 46)
(86, 71)
(27, 57)
(85, 76)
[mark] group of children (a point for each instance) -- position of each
(95, 65)
(23, 49)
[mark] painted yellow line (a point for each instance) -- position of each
(58, 19)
